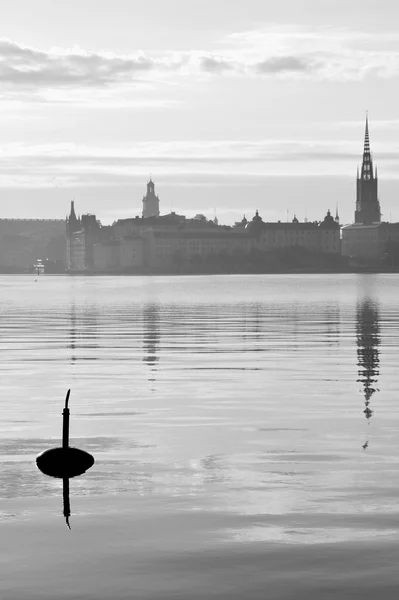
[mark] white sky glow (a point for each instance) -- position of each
(231, 106)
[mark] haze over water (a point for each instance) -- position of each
(226, 417)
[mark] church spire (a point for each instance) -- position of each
(367, 164)
(367, 203)
(72, 215)
(366, 136)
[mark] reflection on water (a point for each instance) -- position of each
(151, 336)
(82, 331)
(72, 332)
(368, 341)
(237, 394)
(66, 503)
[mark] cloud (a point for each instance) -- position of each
(282, 64)
(69, 164)
(324, 53)
(211, 64)
(75, 74)
(26, 67)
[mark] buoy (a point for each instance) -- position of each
(65, 462)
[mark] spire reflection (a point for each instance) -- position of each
(368, 356)
(82, 332)
(72, 333)
(151, 337)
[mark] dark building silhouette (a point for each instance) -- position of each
(367, 203)
(368, 340)
(73, 224)
(25, 241)
(82, 234)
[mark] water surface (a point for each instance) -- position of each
(245, 430)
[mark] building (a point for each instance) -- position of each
(167, 250)
(137, 225)
(126, 255)
(318, 237)
(75, 242)
(24, 241)
(172, 242)
(81, 236)
(368, 240)
(367, 203)
(150, 202)
(76, 252)
(369, 243)
(330, 234)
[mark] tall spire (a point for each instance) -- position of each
(367, 203)
(367, 164)
(366, 136)
(72, 216)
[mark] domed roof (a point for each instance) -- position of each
(255, 226)
(329, 222)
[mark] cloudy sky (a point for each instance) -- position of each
(230, 105)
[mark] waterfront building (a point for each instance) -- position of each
(240, 225)
(137, 225)
(168, 248)
(171, 242)
(24, 241)
(76, 252)
(369, 243)
(75, 242)
(321, 237)
(81, 235)
(368, 239)
(330, 234)
(124, 255)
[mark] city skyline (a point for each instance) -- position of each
(229, 108)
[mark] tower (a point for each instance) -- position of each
(150, 202)
(336, 214)
(367, 203)
(75, 242)
(73, 223)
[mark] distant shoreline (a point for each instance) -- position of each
(215, 273)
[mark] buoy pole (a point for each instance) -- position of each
(65, 423)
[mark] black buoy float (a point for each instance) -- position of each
(65, 462)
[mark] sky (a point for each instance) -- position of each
(230, 106)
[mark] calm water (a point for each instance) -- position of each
(227, 418)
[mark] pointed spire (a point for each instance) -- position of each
(336, 214)
(367, 171)
(72, 215)
(367, 204)
(366, 136)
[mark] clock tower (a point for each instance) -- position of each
(150, 202)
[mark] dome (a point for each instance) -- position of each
(329, 222)
(256, 225)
